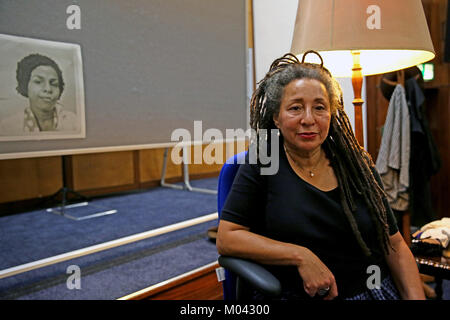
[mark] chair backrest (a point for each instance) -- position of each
(226, 178)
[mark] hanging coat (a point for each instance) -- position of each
(425, 159)
(394, 155)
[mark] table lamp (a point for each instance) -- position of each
(357, 38)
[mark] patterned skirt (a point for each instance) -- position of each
(387, 291)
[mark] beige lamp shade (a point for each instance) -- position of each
(389, 34)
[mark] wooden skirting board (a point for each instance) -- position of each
(198, 284)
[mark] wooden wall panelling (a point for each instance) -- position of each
(207, 154)
(151, 161)
(438, 113)
(49, 175)
(23, 179)
(437, 94)
(377, 107)
(212, 161)
(435, 12)
(100, 173)
(104, 172)
(213, 157)
(150, 166)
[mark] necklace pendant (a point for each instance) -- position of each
(311, 174)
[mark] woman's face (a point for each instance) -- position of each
(304, 116)
(43, 88)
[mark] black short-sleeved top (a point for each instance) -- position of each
(284, 207)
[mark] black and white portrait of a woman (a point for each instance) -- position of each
(41, 96)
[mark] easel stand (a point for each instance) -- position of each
(186, 184)
(64, 192)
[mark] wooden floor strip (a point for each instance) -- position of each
(198, 284)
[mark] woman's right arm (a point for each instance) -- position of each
(236, 240)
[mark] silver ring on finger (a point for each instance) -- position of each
(323, 291)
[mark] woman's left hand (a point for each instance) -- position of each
(316, 276)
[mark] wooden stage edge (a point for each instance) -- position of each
(198, 284)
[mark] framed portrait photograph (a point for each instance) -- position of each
(41, 91)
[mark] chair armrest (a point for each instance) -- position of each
(253, 273)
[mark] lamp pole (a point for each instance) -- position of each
(357, 81)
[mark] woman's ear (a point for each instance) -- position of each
(275, 120)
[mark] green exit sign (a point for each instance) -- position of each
(427, 70)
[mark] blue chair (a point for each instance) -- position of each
(240, 274)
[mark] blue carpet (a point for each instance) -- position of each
(36, 235)
(115, 272)
(113, 277)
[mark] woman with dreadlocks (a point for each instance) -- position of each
(321, 224)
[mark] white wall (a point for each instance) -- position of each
(274, 22)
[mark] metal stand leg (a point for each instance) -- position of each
(186, 184)
(64, 192)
